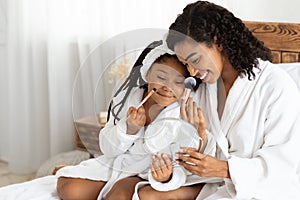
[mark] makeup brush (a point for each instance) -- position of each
(147, 97)
(189, 84)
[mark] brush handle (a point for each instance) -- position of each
(145, 99)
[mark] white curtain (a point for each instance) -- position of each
(46, 42)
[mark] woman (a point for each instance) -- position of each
(249, 105)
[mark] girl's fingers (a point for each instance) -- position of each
(153, 171)
(132, 112)
(156, 165)
(141, 110)
(165, 163)
(141, 115)
(168, 161)
(161, 160)
(136, 117)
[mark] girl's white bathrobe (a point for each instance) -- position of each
(128, 155)
(259, 135)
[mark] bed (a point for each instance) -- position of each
(282, 38)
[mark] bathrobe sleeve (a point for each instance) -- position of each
(113, 138)
(178, 179)
(271, 169)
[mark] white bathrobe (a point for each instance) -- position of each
(259, 135)
(128, 155)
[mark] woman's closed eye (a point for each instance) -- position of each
(196, 61)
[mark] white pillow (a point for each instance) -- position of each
(66, 158)
(293, 69)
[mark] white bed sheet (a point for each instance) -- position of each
(43, 188)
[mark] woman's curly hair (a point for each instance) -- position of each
(203, 21)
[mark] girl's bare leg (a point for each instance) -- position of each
(186, 193)
(123, 189)
(78, 189)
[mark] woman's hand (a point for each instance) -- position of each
(161, 167)
(136, 119)
(201, 164)
(191, 113)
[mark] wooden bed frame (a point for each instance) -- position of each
(282, 38)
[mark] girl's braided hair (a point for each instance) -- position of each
(134, 79)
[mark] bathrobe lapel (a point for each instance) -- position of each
(213, 121)
(235, 103)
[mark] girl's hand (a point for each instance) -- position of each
(161, 167)
(136, 119)
(190, 113)
(201, 164)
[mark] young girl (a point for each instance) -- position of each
(124, 140)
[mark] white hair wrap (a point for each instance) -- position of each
(152, 56)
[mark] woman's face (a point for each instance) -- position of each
(202, 61)
(168, 78)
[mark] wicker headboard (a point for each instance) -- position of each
(282, 38)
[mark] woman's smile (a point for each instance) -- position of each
(203, 76)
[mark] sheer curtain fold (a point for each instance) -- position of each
(28, 110)
(47, 41)
(40, 75)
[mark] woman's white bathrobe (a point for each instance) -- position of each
(259, 135)
(127, 155)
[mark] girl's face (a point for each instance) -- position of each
(202, 61)
(168, 78)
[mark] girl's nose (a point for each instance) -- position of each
(166, 88)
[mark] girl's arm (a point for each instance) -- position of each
(117, 139)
